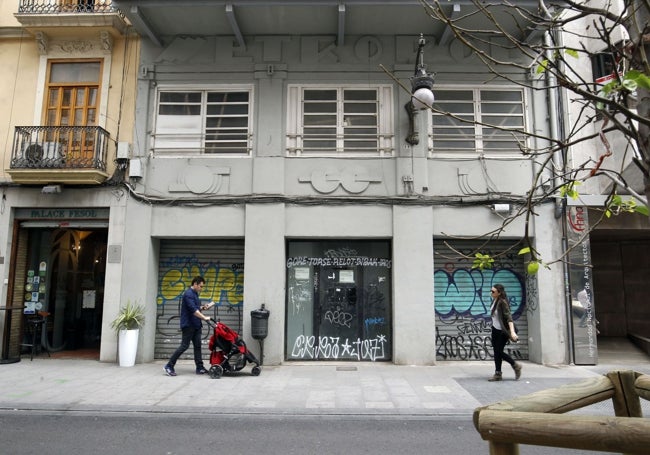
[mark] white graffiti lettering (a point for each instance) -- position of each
(338, 318)
(333, 348)
(339, 262)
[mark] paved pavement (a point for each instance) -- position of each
(449, 388)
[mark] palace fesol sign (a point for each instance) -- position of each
(90, 213)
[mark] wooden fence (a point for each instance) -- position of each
(533, 419)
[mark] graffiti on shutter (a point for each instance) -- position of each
(462, 298)
(221, 264)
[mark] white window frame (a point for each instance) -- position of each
(477, 137)
(193, 143)
(385, 122)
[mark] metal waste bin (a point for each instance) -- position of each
(260, 323)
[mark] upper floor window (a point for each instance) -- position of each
(72, 93)
(478, 120)
(72, 99)
(340, 120)
(203, 122)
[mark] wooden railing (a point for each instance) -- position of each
(532, 419)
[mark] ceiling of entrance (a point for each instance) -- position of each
(161, 19)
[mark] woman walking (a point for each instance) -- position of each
(503, 329)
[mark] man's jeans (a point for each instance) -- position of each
(189, 334)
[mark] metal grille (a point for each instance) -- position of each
(478, 120)
(202, 121)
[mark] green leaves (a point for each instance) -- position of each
(618, 205)
(638, 78)
(571, 52)
(569, 189)
(544, 64)
(482, 261)
(533, 265)
(485, 261)
(542, 67)
(532, 268)
(630, 81)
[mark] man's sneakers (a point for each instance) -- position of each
(169, 370)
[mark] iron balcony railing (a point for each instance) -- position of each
(66, 6)
(60, 147)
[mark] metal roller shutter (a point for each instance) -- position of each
(221, 263)
(462, 298)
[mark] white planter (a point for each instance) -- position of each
(128, 347)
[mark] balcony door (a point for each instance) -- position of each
(72, 98)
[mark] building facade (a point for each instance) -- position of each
(270, 150)
(68, 85)
(276, 159)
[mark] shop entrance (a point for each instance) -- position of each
(62, 271)
(338, 300)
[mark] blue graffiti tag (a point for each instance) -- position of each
(466, 292)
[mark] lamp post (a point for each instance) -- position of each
(421, 92)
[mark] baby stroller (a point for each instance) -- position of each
(228, 352)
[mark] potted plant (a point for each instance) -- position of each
(127, 325)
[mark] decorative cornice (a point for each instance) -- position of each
(73, 46)
(46, 45)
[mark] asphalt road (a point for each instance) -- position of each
(71, 433)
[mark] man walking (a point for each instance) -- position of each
(191, 326)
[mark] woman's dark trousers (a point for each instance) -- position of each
(499, 341)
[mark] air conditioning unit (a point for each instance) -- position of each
(46, 154)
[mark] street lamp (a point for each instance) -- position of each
(421, 92)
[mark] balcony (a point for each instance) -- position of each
(37, 15)
(73, 155)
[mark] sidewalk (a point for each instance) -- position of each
(449, 388)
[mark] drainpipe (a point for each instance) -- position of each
(556, 105)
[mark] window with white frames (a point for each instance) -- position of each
(340, 120)
(478, 120)
(215, 122)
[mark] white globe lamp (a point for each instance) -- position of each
(423, 98)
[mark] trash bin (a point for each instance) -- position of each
(260, 323)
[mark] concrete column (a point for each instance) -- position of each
(265, 276)
(413, 311)
(547, 324)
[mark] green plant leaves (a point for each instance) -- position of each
(482, 261)
(131, 316)
(618, 205)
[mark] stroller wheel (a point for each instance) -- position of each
(216, 371)
(256, 371)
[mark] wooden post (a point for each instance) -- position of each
(503, 448)
(625, 400)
